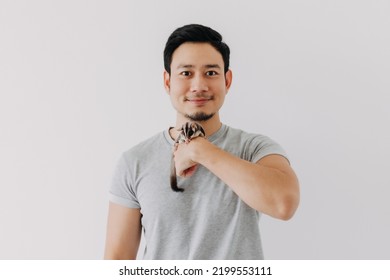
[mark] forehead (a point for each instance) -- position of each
(196, 54)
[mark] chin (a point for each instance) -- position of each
(199, 116)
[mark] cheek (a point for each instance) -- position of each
(177, 86)
(218, 85)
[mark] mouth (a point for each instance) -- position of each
(198, 101)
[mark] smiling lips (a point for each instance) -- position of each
(198, 101)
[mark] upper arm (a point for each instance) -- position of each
(123, 232)
(280, 163)
(288, 194)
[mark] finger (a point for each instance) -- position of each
(189, 171)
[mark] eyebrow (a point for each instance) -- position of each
(188, 66)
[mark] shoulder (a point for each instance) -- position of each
(235, 134)
(155, 144)
(253, 146)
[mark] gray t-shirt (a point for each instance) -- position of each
(206, 221)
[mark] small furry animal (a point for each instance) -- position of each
(188, 131)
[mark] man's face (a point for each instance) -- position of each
(197, 84)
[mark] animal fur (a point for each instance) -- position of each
(188, 131)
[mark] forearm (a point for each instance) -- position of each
(264, 188)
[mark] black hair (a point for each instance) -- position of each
(195, 33)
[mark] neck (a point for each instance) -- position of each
(210, 126)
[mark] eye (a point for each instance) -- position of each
(185, 73)
(211, 73)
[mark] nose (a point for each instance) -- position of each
(199, 84)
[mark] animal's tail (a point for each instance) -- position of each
(174, 178)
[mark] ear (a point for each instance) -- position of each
(167, 81)
(228, 79)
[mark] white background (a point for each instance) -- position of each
(81, 81)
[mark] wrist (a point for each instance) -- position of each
(200, 146)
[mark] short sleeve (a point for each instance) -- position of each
(262, 146)
(121, 188)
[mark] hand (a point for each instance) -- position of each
(185, 166)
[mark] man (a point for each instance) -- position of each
(230, 177)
